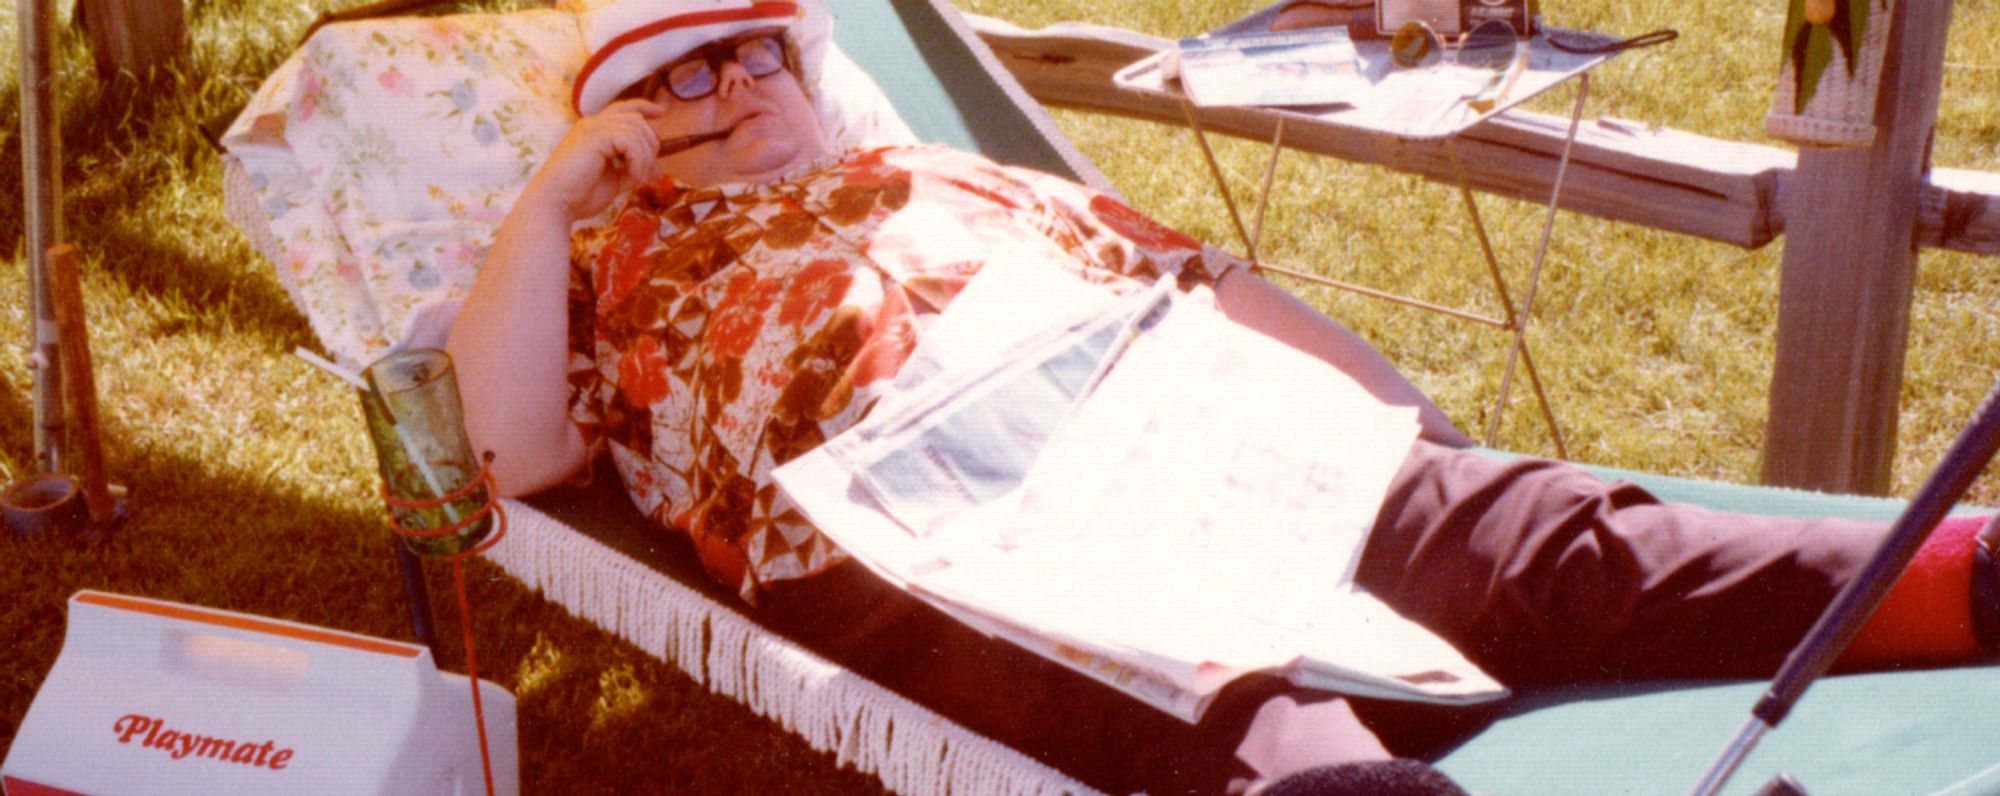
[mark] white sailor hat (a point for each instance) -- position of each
(629, 39)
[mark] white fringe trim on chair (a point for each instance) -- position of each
(911, 749)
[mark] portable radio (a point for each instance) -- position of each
(1452, 17)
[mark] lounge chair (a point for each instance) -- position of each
(587, 549)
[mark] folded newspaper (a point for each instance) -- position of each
(1119, 479)
(1317, 66)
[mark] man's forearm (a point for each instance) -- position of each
(1250, 300)
(510, 346)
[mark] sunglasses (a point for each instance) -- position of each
(695, 75)
(1489, 45)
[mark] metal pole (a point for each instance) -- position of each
(41, 170)
(417, 593)
(1718, 773)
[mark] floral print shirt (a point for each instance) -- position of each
(716, 333)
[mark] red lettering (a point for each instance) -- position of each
(132, 724)
(215, 747)
(179, 744)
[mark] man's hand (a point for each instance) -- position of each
(1288, 736)
(602, 157)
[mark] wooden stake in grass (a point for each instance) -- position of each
(79, 388)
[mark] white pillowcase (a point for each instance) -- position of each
(374, 166)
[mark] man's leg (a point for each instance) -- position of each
(1538, 571)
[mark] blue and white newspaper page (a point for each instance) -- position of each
(1196, 516)
(1013, 351)
(1024, 335)
(1202, 515)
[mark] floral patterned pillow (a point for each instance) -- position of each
(374, 166)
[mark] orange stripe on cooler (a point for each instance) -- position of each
(265, 626)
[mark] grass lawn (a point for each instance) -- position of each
(256, 489)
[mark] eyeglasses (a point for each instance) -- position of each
(759, 52)
(1490, 45)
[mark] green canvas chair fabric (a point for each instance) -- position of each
(588, 549)
(951, 89)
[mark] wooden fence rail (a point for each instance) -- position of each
(1667, 179)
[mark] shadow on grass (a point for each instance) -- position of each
(93, 123)
(136, 181)
(232, 296)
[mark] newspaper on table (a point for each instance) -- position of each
(1316, 66)
(1166, 525)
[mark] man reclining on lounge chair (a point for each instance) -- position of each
(754, 291)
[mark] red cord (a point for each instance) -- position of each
(484, 478)
(472, 669)
(491, 506)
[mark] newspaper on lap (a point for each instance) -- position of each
(1166, 525)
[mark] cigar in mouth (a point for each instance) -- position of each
(687, 142)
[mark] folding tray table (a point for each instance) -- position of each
(1419, 105)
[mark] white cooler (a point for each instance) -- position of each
(153, 697)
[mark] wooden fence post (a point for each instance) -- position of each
(134, 36)
(1847, 278)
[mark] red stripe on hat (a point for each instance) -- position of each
(647, 31)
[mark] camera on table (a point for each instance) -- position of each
(1453, 17)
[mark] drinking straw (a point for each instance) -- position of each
(327, 365)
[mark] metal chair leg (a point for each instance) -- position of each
(1519, 346)
(418, 594)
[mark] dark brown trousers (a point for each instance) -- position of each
(1536, 570)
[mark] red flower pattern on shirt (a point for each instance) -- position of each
(887, 341)
(623, 263)
(739, 316)
(642, 373)
(817, 288)
(868, 168)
